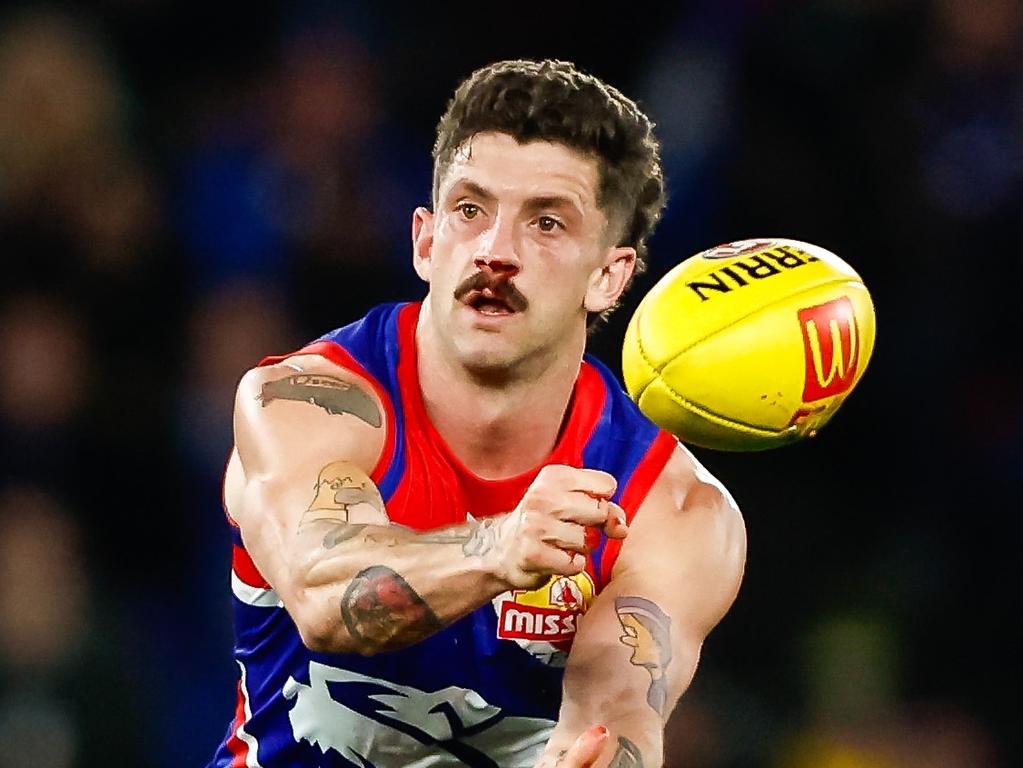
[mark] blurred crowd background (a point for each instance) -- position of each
(186, 187)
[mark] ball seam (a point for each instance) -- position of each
(709, 415)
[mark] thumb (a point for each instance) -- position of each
(586, 749)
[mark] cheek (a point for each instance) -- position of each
(455, 233)
(563, 273)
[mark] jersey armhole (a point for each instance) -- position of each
(642, 480)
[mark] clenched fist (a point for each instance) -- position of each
(545, 534)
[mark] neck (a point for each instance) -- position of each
(499, 424)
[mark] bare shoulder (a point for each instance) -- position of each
(688, 531)
(314, 380)
(307, 405)
(687, 489)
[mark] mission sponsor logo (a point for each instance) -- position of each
(831, 342)
(549, 614)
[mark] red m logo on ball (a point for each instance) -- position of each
(831, 343)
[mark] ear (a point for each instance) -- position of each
(608, 282)
(422, 241)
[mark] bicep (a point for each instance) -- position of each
(307, 435)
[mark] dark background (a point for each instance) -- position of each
(186, 187)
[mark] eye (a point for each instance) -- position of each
(469, 211)
(548, 224)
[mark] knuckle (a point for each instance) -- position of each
(548, 473)
(543, 498)
(533, 526)
(531, 552)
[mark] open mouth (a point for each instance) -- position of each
(487, 303)
(490, 295)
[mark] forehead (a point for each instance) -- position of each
(498, 163)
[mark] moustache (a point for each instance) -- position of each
(501, 288)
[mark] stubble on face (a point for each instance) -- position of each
(551, 269)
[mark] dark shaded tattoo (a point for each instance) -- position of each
(481, 540)
(626, 756)
(328, 392)
(648, 632)
(382, 611)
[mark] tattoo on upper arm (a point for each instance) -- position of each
(626, 756)
(341, 485)
(340, 488)
(647, 630)
(380, 609)
(328, 392)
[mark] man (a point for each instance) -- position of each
(450, 527)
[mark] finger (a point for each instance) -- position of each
(594, 482)
(586, 749)
(568, 536)
(581, 508)
(615, 526)
(554, 560)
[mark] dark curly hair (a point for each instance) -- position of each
(551, 100)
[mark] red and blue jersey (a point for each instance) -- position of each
(486, 690)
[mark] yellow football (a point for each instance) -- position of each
(749, 345)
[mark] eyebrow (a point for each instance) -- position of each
(474, 189)
(532, 204)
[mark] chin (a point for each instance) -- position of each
(489, 357)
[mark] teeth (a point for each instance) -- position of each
(488, 306)
(491, 309)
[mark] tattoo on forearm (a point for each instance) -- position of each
(328, 392)
(341, 532)
(440, 537)
(481, 540)
(381, 610)
(626, 756)
(647, 630)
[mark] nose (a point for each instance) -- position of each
(497, 252)
(497, 265)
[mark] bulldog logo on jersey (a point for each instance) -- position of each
(544, 621)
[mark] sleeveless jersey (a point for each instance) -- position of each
(483, 692)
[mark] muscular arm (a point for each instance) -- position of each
(307, 435)
(637, 647)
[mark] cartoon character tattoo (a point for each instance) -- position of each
(647, 630)
(343, 492)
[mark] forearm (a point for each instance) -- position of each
(373, 588)
(627, 668)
